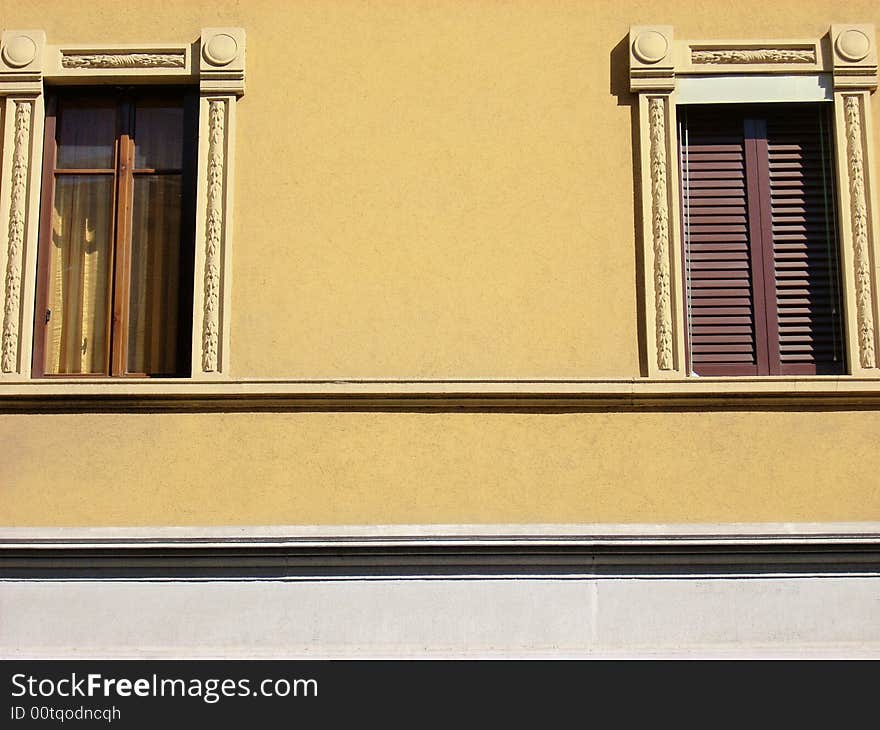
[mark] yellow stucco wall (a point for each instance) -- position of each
(438, 189)
(435, 190)
(366, 468)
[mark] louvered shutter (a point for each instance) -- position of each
(717, 257)
(760, 245)
(805, 245)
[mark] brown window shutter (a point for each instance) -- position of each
(761, 249)
(715, 221)
(804, 241)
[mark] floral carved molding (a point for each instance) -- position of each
(15, 245)
(859, 227)
(752, 55)
(660, 230)
(213, 234)
(122, 60)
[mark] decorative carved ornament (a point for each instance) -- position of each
(650, 46)
(853, 45)
(753, 55)
(220, 49)
(123, 60)
(222, 61)
(859, 225)
(660, 227)
(15, 245)
(19, 50)
(213, 234)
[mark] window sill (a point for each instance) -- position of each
(629, 394)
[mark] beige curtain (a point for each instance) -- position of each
(80, 275)
(155, 274)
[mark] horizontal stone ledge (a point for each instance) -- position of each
(441, 535)
(362, 561)
(170, 395)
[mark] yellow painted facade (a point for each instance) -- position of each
(436, 191)
(385, 468)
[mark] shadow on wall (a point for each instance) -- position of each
(619, 86)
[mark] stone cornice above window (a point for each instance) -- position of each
(656, 59)
(216, 61)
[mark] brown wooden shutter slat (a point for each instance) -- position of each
(761, 249)
(718, 266)
(805, 246)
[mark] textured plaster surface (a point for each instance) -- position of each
(442, 191)
(380, 468)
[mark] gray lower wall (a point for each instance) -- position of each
(441, 617)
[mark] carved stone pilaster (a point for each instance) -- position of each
(213, 234)
(15, 239)
(21, 67)
(660, 231)
(652, 74)
(854, 59)
(859, 227)
(221, 80)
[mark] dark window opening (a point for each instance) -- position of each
(761, 271)
(114, 285)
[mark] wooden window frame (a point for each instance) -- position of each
(124, 171)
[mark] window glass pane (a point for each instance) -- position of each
(79, 276)
(86, 135)
(154, 305)
(158, 135)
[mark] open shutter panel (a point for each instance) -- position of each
(805, 245)
(715, 219)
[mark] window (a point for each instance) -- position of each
(115, 270)
(758, 233)
(759, 230)
(112, 307)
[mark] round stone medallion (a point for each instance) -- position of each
(221, 49)
(19, 51)
(853, 45)
(650, 46)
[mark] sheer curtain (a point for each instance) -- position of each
(93, 134)
(155, 274)
(80, 274)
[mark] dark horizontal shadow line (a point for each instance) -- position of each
(743, 405)
(279, 563)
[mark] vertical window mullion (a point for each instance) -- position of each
(684, 212)
(769, 268)
(43, 314)
(826, 147)
(122, 240)
(763, 286)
